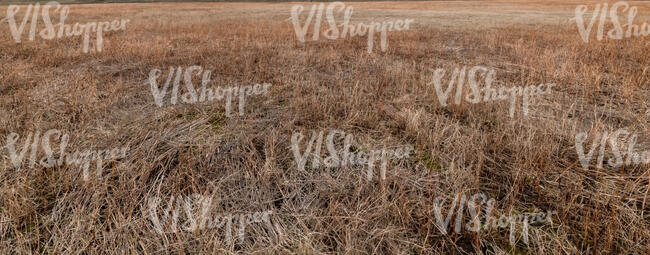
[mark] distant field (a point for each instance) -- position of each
(7, 2)
(245, 162)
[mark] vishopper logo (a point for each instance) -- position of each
(474, 224)
(333, 32)
(459, 76)
(49, 160)
(198, 215)
(49, 33)
(628, 157)
(206, 94)
(343, 157)
(616, 33)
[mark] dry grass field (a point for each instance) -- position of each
(245, 162)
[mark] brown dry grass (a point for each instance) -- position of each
(103, 101)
